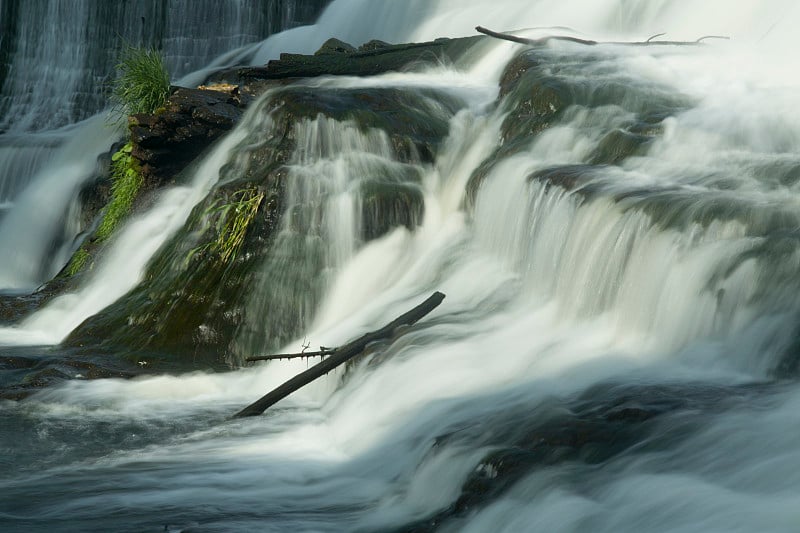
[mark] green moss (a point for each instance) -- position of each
(79, 260)
(126, 182)
(142, 83)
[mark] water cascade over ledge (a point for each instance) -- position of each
(616, 231)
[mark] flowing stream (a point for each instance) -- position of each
(612, 351)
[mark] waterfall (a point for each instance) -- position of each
(620, 266)
(57, 74)
(53, 76)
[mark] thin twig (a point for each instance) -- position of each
(704, 37)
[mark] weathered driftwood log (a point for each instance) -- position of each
(340, 355)
(587, 42)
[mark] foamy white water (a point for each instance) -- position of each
(666, 282)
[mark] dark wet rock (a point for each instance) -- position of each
(334, 46)
(605, 422)
(389, 205)
(16, 307)
(788, 364)
(373, 45)
(415, 121)
(96, 191)
(23, 375)
(619, 145)
(370, 59)
(567, 177)
(166, 142)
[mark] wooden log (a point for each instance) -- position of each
(340, 356)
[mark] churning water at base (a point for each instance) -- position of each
(605, 358)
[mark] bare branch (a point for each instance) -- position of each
(532, 42)
(301, 355)
(701, 39)
(587, 42)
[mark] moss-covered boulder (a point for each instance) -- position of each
(198, 291)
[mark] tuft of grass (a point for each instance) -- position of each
(238, 216)
(233, 220)
(126, 182)
(142, 83)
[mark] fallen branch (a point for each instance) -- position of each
(321, 353)
(587, 42)
(340, 356)
(525, 40)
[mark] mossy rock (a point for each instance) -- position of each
(194, 306)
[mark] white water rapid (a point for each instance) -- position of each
(611, 355)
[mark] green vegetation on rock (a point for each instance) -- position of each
(142, 85)
(126, 182)
(79, 260)
(233, 220)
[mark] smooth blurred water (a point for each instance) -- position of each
(672, 275)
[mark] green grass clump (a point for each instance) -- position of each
(142, 84)
(233, 220)
(237, 218)
(126, 182)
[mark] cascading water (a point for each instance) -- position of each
(55, 75)
(621, 277)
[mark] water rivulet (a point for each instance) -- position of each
(616, 231)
